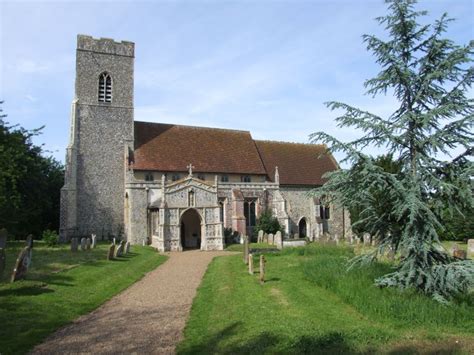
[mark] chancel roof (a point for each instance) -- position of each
(168, 147)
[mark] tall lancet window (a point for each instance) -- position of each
(105, 87)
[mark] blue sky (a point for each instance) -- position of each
(263, 66)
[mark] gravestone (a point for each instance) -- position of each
(260, 236)
(119, 250)
(88, 244)
(29, 241)
(278, 240)
(271, 239)
(452, 250)
(3, 261)
(144, 243)
(111, 252)
(262, 269)
(296, 236)
(113, 241)
(74, 244)
(250, 264)
(336, 239)
(470, 248)
(246, 249)
(94, 241)
(366, 239)
(83, 243)
(127, 247)
(460, 254)
(265, 238)
(3, 238)
(21, 265)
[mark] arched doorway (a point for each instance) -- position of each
(190, 229)
(302, 228)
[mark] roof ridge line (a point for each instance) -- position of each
(285, 142)
(197, 127)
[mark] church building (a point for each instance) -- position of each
(178, 187)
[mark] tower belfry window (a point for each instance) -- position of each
(105, 87)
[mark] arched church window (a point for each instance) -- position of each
(221, 210)
(249, 213)
(324, 212)
(105, 87)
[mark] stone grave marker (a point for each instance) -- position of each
(3, 238)
(111, 252)
(3, 261)
(265, 238)
(260, 236)
(88, 243)
(119, 250)
(262, 269)
(83, 243)
(94, 241)
(127, 247)
(246, 249)
(29, 241)
(21, 265)
(113, 241)
(271, 239)
(250, 264)
(452, 250)
(470, 248)
(278, 240)
(74, 244)
(460, 254)
(366, 239)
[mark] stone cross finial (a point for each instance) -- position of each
(277, 175)
(190, 167)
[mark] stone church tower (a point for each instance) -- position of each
(100, 138)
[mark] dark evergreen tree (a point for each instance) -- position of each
(30, 183)
(430, 77)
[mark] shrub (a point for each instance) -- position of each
(268, 223)
(50, 237)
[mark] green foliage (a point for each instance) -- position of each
(457, 225)
(310, 305)
(60, 287)
(29, 183)
(268, 223)
(430, 76)
(50, 237)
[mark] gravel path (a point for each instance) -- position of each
(148, 317)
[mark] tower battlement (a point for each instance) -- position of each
(105, 46)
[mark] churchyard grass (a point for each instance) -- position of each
(60, 286)
(310, 304)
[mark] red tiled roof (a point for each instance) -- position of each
(298, 164)
(169, 147)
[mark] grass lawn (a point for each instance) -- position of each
(61, 286)
(252, 246)
(310, 304)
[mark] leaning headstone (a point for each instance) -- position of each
(83, 243)
(366, 239)
(94, 241)
(246, 249)
(127, 247)
(250, 264)
(260, 236)
(460, 254)
(3, 238)
(29, 241)
(262, 269)
(3, 261)
(74, 244)
(278, 240)
(21, 265)
(111, 252)
(88, 244)
(470, 248)
(119, 250)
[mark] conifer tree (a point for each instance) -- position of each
(430, 76)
